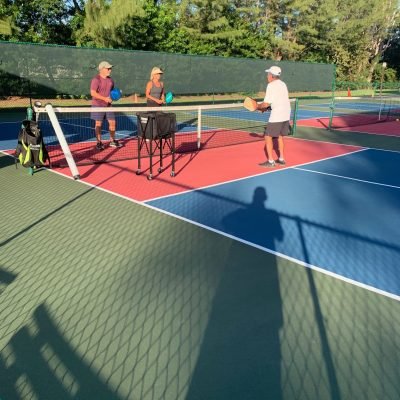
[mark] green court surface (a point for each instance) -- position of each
(103, 298)
(350, 138)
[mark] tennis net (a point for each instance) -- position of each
(198, 127)
(358, 111)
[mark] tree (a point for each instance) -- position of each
(5, 26)
(105, 20)
(392, 54)
(6, 19)
(40, 21)
(210, 25)
(353, 34)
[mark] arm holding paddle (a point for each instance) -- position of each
(252, 105)
(96, 95)
(263, 107)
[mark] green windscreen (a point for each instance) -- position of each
(41, 70)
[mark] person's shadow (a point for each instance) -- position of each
(240, 356)
(256, 223)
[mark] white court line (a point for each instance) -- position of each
(366, 133)
(347, 177)
(344, 144)
(265, 249)
(310, 119)
(253, 176)
(315, 105)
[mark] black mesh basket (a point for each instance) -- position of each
(156, 124)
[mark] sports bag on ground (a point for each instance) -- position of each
(31, 151)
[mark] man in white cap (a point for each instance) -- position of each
(276, 97)
(100, 88)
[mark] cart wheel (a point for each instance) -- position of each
(172, 174)
(160, 170)
(30, 171)
(138, 172)
(149, 178)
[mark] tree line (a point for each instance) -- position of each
(356, 35)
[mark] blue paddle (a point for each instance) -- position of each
(115, 94)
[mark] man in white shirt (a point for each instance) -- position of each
(276, 97)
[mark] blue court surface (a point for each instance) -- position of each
(367, 104)
(339, 216)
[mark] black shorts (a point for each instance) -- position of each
(276, 129)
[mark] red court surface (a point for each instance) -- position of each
(390, 128)
(314, 122)
(200, 169)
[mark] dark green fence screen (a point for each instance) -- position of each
(47, 70)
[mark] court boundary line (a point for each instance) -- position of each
(348, 177)
(265, 249)
(343, 144)
(311, 119)
(367, 133)
(262, 248)
(310, 266)
(343, 129)
(253, 176)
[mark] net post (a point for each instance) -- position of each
(331, 113)
(296, 108)
(199, 128)
(63, 143)
(380, 110)
(332, 106)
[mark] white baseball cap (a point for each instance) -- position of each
(156, 70)
(274, 71)
(104, 64)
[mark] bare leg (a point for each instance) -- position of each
(111, 125)
(269, 146)
(98, 131)
(281, 147)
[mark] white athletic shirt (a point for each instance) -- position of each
(277, 96)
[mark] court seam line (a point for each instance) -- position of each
(312, 119)
(265, 249)
(344, 129)
(283, 256)
(348, 177)
(343, 144)
(366, 133)
(252, 176)
(325, 141)
(278, 254)
(314, 267)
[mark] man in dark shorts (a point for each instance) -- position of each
(276, 97)
(100, 88)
